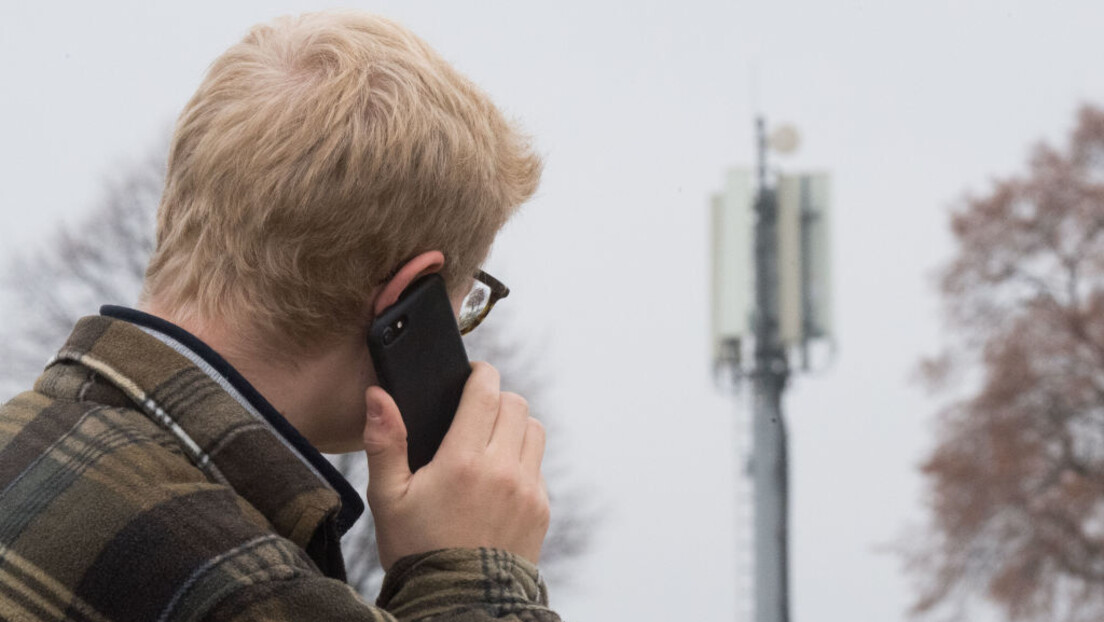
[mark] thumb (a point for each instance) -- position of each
(385, 444)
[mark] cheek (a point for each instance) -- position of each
(456, 302)
(368, 377)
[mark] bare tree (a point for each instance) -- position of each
(103, 260)
(1016, 481)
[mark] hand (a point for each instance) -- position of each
(483, 488)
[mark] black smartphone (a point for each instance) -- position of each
(421, 362)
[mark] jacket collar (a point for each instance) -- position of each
(228, 429)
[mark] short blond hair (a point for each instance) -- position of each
(319, 154)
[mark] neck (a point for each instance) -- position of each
(306, 390)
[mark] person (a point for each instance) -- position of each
(167, 465)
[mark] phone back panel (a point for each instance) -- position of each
(422, 365)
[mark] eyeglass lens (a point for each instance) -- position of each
(474, 304)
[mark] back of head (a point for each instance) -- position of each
(319, 154)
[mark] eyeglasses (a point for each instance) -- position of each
(485, 292)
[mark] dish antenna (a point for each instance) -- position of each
(784, 140)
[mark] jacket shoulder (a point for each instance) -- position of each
(98, 502)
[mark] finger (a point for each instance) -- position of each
(385, 444)
(545, 496)
(475, 416)
(532, 449)
(509, 430)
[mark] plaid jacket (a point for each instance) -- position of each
(143, 479)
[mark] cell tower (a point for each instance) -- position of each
(771, 305)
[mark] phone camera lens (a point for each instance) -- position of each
(393, 331)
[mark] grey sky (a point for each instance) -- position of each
(639, 106)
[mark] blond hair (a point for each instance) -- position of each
(319, 154)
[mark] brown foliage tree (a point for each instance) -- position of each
(72, 274)
(1016, 481)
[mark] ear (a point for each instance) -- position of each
(426, 263)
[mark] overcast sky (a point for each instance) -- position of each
(639, 107)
